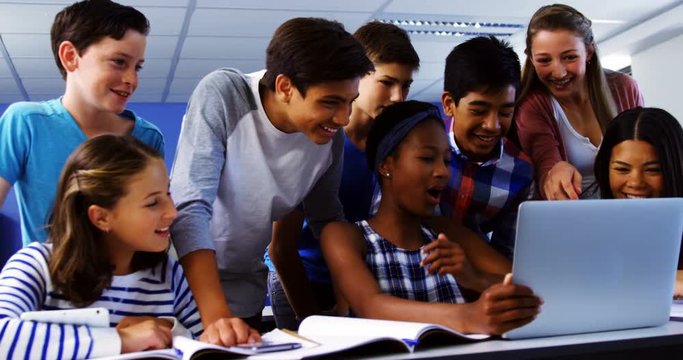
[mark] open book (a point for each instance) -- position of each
(356, 336)
(324, 335)
(188, 349)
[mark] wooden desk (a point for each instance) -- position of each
(663, 342)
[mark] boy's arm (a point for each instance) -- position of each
(184, 306)
(321, 206)
(194, 183)
(283, 251)
(195, 178)
(202, 276)
(4, 189)
(15, 140)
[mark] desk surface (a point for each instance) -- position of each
(633, 343)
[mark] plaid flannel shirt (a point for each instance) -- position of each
(485, 196)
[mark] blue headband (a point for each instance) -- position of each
(394, 137)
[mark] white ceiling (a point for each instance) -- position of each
(190, 38)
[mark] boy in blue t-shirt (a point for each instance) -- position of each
(99, 48)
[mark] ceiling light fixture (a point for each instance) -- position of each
(442, 23)
(457, 33)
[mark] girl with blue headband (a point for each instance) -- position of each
(404, 264)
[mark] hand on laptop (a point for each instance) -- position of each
(503, 307)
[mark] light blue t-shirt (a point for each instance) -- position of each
(35, 140)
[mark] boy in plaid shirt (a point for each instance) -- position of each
(490, 176)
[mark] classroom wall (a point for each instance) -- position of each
(168, 118)
(660, 75)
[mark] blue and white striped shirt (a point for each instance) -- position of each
(25, 285)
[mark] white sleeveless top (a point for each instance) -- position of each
(579, 149)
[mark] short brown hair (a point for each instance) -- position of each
(386, 44)
(310, 51)
(87, 22)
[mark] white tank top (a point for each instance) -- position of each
(579, 149)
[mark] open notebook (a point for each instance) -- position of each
(599, 265)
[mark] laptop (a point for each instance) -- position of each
(599, 265)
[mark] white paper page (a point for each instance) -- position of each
(279, 336)
(189, 347)
(330, 326)
(157, 354)
(329, 345)
(677, 309)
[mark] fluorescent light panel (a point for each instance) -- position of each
(455, 24)
(456, 33)
(454, 28)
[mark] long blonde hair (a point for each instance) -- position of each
(564, 17)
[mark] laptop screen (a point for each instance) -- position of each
(599, 265)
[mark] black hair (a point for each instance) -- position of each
(392, 116)
(483, 64)
(654, 126)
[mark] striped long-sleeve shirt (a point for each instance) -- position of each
(25, 285)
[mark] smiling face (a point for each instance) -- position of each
(634, 171)
(388, 84)
(419, 170)
(140, 220)
(322, 112)
(559, 58)
(480, 120)
(105, 74)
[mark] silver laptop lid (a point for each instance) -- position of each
(599, 265)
